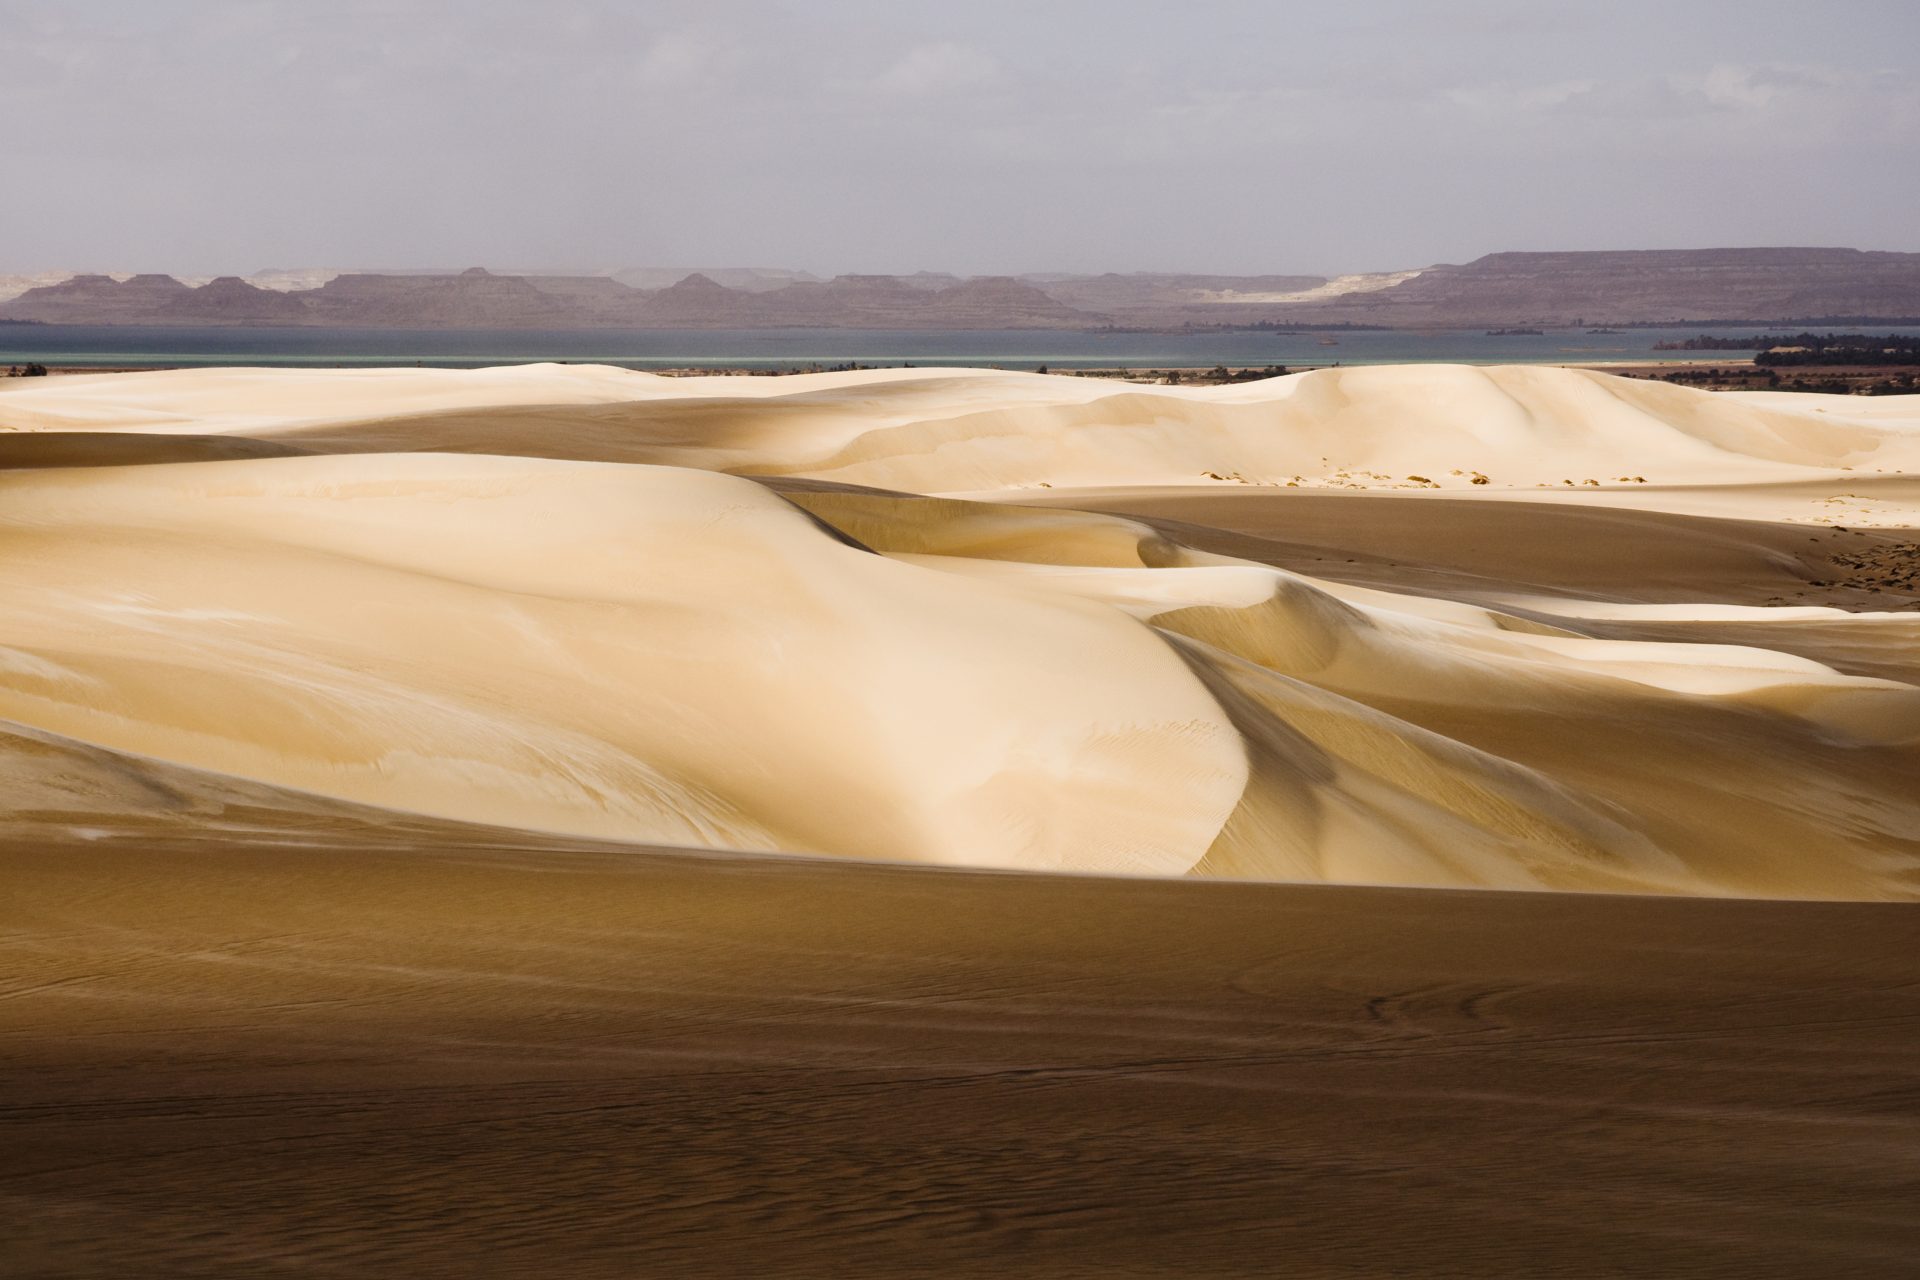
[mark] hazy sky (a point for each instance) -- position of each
(966, 135)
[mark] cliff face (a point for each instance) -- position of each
(474, 299)
(91, 299)
(479, 299)
(859, 302)
(601, 298)
(231, 300)
(855, 302)
(997, 302)
(889, 302)
(698, 302)
(1757, 285)
(1642, 287)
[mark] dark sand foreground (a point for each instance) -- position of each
(321, 1053)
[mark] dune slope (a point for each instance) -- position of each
(659, 655)
(531, 598)
(972, 431)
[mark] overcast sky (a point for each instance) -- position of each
(965, 135)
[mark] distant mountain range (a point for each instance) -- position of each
(1591, 288)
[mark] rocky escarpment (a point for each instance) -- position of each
(1760, 286)
(1642, 287)
(98, 299)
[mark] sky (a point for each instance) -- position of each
(973, 136)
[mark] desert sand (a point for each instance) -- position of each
(422, 788)
(738, 613)
(337, 1046)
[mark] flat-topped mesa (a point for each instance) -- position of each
(1691, 259)
(868, 280)
(1003, 302)
(476, 298)
(598, 300)
(1552, 289)
(87, 299)
(931, 279)
(231, 300)
(860, 301)
(1644, 287)
(995, 302)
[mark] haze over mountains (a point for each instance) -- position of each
(1574, 288)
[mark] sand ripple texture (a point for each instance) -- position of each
(987, 619)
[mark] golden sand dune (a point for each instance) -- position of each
(975, 431)
(655, 654)
(660, 654)
(401, 774)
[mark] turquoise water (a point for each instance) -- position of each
(800, 348)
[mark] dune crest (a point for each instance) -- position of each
(530, 598)
(1472, 429)
(663, 656)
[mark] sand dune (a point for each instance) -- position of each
(405, 777)
(421, 606)
(1404, 739)
(660, 655)
(981, 432)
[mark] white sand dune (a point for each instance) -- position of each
(1338, 287)
(980, 431)
(526, 597)
(659, 655)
